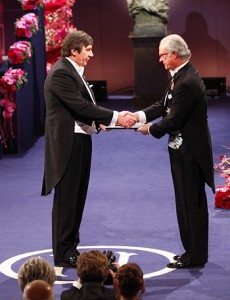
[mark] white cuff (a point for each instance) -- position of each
(114, 119)
(142, 116)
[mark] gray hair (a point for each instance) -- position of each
(175, 43)
(36, 268)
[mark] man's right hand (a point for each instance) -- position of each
(127, 119)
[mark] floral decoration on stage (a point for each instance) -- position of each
(31, 4)
(222, 197)
(58, 22)
(10, 82)
(26, 26)
(19, 52)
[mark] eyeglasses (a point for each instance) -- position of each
(163, 55)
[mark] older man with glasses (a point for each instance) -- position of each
(183, 109)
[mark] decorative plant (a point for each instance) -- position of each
(58, 22)
(222, 197)
(10, 82)
(19, 52)
(31, 4)
(26, 26)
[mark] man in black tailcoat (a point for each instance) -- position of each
(72, 116)
(184, 118)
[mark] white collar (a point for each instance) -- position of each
(173, 72)
(79, 69)
(77, 284)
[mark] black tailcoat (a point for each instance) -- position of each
(184, 110)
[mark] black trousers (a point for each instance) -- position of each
(69, 200)
(191, 204)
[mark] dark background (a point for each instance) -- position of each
(204, 24)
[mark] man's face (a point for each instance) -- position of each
(82, 58)
(167, 59)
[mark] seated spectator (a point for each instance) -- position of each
(92, 270)
(129, 282)
(38, 290)
(36, 268)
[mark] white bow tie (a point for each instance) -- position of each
(81, 70)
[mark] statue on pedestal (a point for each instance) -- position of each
(151, 16)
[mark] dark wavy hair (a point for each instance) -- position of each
(76, 39)
(92, 266)
(129, 280)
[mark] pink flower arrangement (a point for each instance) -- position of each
(26, 25)
(19, 52)
(224, 169)
(58, 22)
(9, 107)
(222, 197)
(53, 5)
(31, 4)
(12, 80)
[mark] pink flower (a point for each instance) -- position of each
(58, 23)
(224, 169)
(31, 4)
(26, 25)
(12, 80)
(19, 52)
(9, 108)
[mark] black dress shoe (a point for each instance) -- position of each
(183, 265)
(70, 263)
(177, 257)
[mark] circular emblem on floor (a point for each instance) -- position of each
(152, 261)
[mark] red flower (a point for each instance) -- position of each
(222, 198)
(19, 52)
(31, 4)
(26, 25)
(12, 80)
(58, 24)
(53, 5)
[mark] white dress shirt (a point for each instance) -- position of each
(141, 114)
(79, 126)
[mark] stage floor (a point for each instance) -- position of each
(130, 210)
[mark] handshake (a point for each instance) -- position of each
(127, 119)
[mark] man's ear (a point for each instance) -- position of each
(175, 54)
(74, 52)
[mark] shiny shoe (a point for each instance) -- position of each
(71, 263)
(183, 265)
(177, 257)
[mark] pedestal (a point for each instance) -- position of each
(150, 75)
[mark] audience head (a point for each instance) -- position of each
(92, 266)
(38, 290)
(36, 268)
(129, 281)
